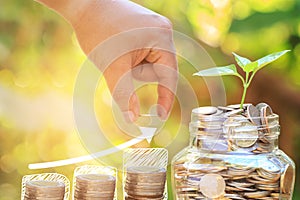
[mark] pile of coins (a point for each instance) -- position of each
(45, 190)
(232, 182)
(145, 183)
(232, 160)
(94, 186)
(249, 128)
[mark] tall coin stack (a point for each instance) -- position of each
(145, 183)
(46, 190)
(95, 186)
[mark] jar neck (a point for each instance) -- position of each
(234, 134)
(220, 145)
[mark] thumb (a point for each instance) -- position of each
(119, 80)
(165, 67)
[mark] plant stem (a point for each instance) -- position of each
(247, 77)
(244, 95)
(251, 77)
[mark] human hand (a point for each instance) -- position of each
(127, 41)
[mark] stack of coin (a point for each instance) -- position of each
(94, 186)
(145, 183)
(44, 190)
(251, 131)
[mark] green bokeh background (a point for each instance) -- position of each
(40, 58)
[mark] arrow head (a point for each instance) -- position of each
(147, 133)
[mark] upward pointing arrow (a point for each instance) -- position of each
(147, 133)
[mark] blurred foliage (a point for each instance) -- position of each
(40, 58)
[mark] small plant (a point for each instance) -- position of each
(250, 68)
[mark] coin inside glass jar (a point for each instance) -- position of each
(212, 185)
(247, 169)
(245, 136)
(286, 181)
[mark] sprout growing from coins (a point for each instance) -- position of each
(249, 67)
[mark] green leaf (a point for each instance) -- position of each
(241, 61)
(269, 58)
(250, 67)
(218, 71)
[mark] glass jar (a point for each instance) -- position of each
(233, 154)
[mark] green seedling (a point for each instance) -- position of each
(250, 68)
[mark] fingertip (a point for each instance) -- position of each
(162, 112)
(165, 101)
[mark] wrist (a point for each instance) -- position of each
(69, 9)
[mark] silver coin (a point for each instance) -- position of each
(225, 108)
(253, 114)
(245, 136)
(265, 111)
(205, 110)
(256, 195)
(212, 185)
(233, 112)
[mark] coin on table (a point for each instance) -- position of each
(287, 179)
(212, 185)
(245, 136)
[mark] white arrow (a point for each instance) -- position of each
(147, 133)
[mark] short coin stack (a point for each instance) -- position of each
(145, 183)
(94, 186)
(46, 190)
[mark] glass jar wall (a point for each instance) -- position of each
(233, 154)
